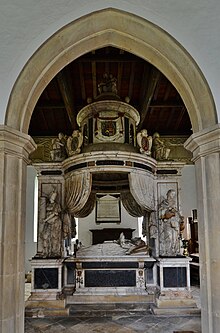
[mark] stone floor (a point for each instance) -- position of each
(129, 322)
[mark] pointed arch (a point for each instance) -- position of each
(110, 27)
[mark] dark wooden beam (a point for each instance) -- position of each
(167, 124)
(119, 79)
(94, 79)
(67, 95)
(131, 81)
(82, 81)
(150, 86)
(49, 105)
(180, 117)
(166, 105)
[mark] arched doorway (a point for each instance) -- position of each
(119, 29)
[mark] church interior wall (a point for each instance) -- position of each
(88, 223)
(188, 193)
(30, 244)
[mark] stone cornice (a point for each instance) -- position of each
(204, 143)
(14, 142)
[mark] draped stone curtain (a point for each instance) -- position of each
(77, 192)
(88, 208)
(142, 189)
(131, 205)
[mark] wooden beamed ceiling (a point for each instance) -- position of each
(150, 92)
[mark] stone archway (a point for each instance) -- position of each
(104, 28)
(112, 28)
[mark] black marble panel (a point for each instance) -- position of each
(51, 172)
(149, 264)
(108, 264)
(109, 234)
(75, 167)
(71, 272)
(174, 277)
(142, 166)
(127, 134)
(70, 264)
(150, 275)
(110, 278)
(158, 276)
(45, 278)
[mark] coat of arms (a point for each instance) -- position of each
(109, 128)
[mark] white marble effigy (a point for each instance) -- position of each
(109, 249)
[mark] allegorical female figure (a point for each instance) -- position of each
(51, 234)
(170, 221)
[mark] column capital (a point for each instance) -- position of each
(204, 143)
(14, 142)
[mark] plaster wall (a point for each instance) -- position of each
(188, 190)
(88, 223)
(27, 24)
(30, 245)
(188, 195)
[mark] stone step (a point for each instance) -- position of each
(110, 295)
(46, 312)
(107, 309)
(46, 308)
(109, 299)
(184, 311)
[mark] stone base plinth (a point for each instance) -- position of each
(175, 303)
(179, 311)
(45, 308)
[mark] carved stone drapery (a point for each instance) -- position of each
(142, 189)
(131, 205)
(89, 206)
(77, 191)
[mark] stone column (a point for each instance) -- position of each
(15, 148)
(205, 147)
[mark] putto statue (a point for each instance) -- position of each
(159, 149)
(63, 146)
(109, 84)
(74, 143)
(58, 151)
(144, 142)
(170, 225)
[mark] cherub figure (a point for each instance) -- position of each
(58, 151)
(159, 150)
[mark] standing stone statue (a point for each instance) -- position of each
(144, 142)
(159, 149)
(58, 151)
(51, 235)
(170, 221)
